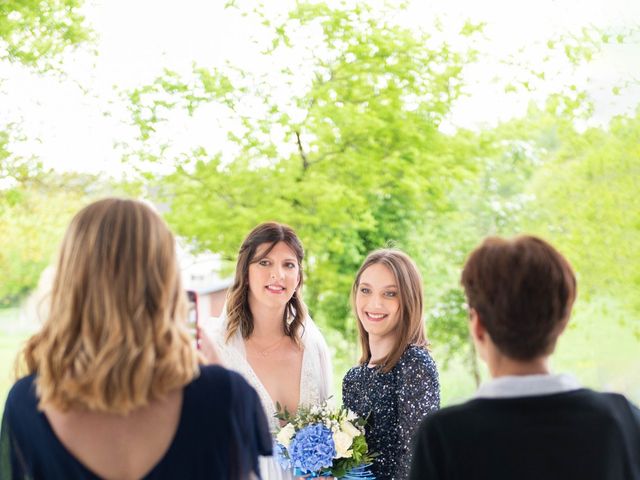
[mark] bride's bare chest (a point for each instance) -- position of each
(280, 373)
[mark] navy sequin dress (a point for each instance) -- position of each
(395, 403)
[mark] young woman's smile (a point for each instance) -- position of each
(274, 277)
(377, 301)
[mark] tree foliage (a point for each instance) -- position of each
(587, 203)
(351, 156)
(337, 130)
(340, 137)
(36, 32)
(538, 174)
(33, 217)
(35, 203)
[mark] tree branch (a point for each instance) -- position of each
(303, 155)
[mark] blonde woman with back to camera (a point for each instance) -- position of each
(265, 333)
(114, 389)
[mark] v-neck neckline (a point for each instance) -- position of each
(261, 386)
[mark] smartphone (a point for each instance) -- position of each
(192, 318)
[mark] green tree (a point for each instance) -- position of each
(33, 217)
(36, 32)
(539, 174)
(494, 201)
(587, 203)
(352, 157)
(35, 203)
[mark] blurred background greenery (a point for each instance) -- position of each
(348, 134)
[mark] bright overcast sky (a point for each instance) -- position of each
(136, 39)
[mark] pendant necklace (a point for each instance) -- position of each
(265, 352)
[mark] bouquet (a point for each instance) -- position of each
(323, 442)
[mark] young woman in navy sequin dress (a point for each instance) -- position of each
(396, 384)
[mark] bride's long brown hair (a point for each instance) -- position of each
(239, 314)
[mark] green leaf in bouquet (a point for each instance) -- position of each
(282, 413)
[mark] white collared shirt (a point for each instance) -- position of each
(512, 386)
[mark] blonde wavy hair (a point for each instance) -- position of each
(411, 329)
(239, 314)
(114, 338)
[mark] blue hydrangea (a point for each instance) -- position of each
(312, 448)
(279, 452)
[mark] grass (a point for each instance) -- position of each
(599, 348)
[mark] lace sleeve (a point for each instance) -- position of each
(418, 395)
(321, 364)
(325, 367)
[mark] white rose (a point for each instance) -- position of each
(348, 428)
(286, 434)
(342, 442)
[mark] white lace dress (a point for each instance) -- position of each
(315, 377)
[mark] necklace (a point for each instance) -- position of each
(266, 351)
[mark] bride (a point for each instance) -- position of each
(265, 333)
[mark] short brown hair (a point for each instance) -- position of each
(523, 290)
(115, 337)
(239, 314)
(409, 282)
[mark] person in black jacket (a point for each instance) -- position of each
(526, 423)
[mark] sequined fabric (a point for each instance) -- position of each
(395, 403)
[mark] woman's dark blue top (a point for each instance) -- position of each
(221, 432)
(394, 402)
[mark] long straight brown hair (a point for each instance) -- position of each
(411, 326)
(239, 314)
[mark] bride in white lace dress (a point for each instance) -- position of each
(265, 333)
